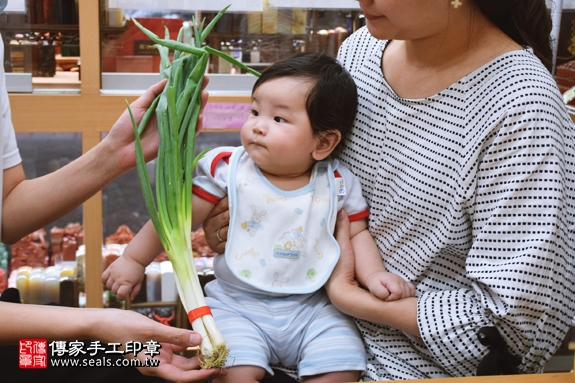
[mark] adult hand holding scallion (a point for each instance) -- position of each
(177, 111)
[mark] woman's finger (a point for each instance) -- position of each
(216, 226)
(145, 100)
(204, 100)
(220, 207)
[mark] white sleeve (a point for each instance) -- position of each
(352, 202)
(210, 181)
(10, 153)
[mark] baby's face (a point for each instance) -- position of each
(278, 135)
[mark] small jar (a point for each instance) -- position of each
(36, 286)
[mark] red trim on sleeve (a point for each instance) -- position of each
(221, 156)
(357, 216)
(205, 195)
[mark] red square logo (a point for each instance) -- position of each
(32, 353)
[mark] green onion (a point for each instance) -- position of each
(177, 109)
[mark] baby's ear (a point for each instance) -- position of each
(326, 144)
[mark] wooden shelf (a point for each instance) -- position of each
(54, 28)
(38, 27)
(150, 304)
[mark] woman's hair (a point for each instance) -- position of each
(528, 22)
(332, 99)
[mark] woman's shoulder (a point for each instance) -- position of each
(514, 79)
(517, 68)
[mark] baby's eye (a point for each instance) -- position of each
(279, 119)
(254, 112)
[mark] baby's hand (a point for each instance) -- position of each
(389, 287)
(124, 276)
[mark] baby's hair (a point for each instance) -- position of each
(331, 102)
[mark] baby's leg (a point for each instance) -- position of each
(332, 348)
(333, 377)
(247, 374)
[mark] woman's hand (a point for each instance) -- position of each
(108, 326)
(350, 298)
(124, 326)
(216, 226)
(120, 142)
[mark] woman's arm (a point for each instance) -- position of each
(30, 204)
(346, 294)
(56, 323)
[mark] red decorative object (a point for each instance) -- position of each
(565, 77)
(3, 281)
(122, 236)
(161, 319)
(67, 240)
(132, 50)
(32, 250)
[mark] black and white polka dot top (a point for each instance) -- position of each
(471, 195)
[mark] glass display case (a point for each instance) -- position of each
(41, 46)
(257, 33)
(43, 153)
(42, 38)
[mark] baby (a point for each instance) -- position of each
(284, 192)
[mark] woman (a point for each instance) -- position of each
(468, 178)
(465, 153)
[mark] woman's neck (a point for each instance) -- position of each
(421, 68)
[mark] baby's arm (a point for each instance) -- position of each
(200, 210)
(124, 276)
(369, 268)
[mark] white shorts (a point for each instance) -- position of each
(295, 331)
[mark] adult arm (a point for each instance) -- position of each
(34, 203)
(30, 204)
(56, 323)
(349, 297)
